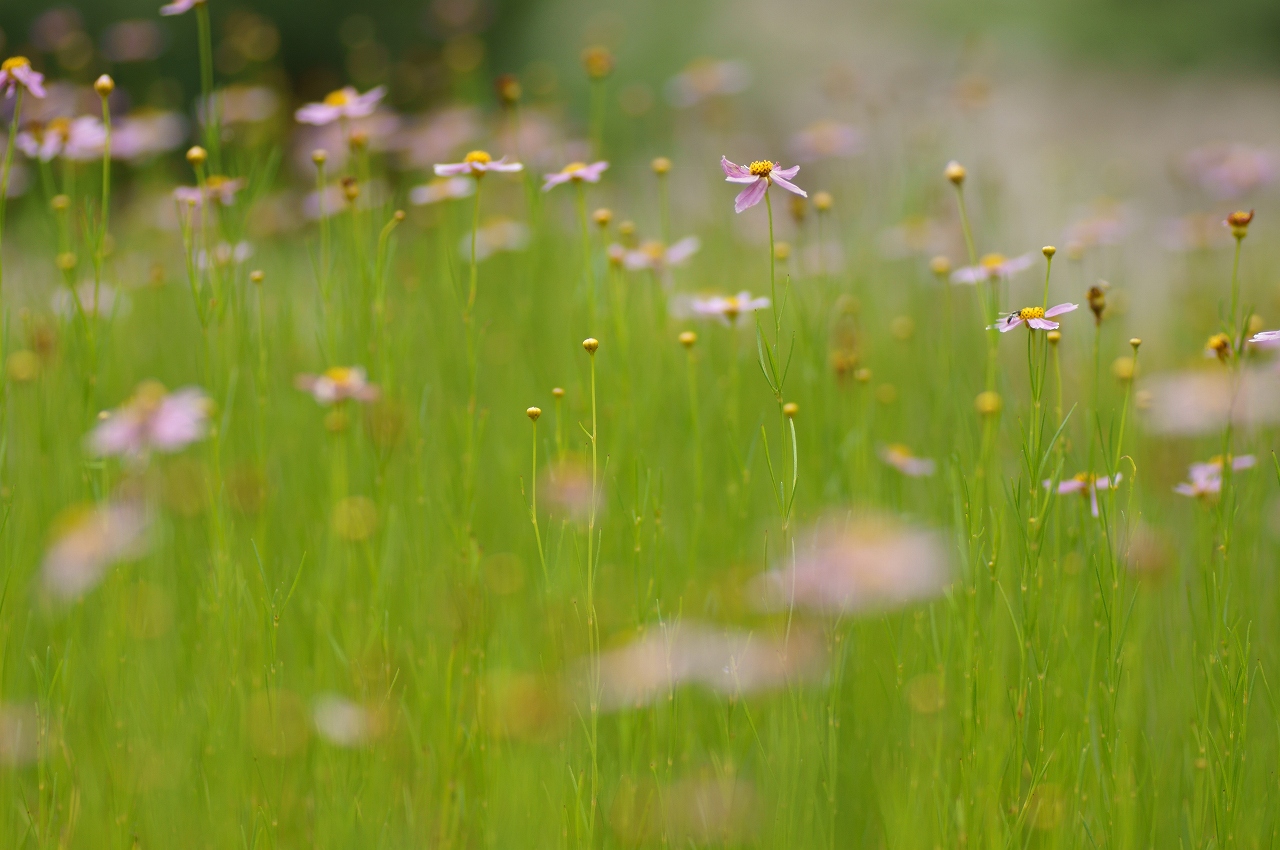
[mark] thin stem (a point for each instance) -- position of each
(588, 273)
(212, 131)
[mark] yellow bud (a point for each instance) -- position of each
(987, 403)
(1048, 251)
(257, 276)
(790, 409)
(104, 85)
(661, 165)
(558, 392)
(822, 201)
(197, 155)
(955, 172)
(319, 156)
(602, 217)
(688, 339)
(941, 266)
(533, 413)
(590, 344)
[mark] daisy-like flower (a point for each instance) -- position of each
(180, 7)
(656, 257)
(1035, 318)
(1267, 339)
(338, 384)
(1087, 485)
(87, 542)
(17, 71)
(345, 103)
(79, 140)
(152, 420)
(1206, 478)
(441, 189)
(477, 164)
(146, 134)
(216, 188)
(575, 172)
(727, 308)
(757, 177)
(992, 267)
(900, 458)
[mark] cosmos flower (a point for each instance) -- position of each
(1230, 170)
(707, 78)
(575, 172)
(1206, 478)
(441, 189)
(152, 420)
(857, 565)
(147, 133)
(338, 384)
(1087, 484)
(655, 257)
(1107, 225)
(345, 103)
(216, 188)
(79, 140)
(727, 308)
(900, 458)
(757, 177)
(826, 140)
(477, 164)
(344, 723)
(1035, 318)
(88, 542)
(179, 7)
(17, 71)
(1202, 402)
(992, 267)
(1267, 339)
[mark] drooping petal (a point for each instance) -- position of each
(1042, 324)
(785, 173)
(683, 250)
(592, 172)
(554, 180)
(734, 171)
(788, 185)
(453, 169)
(1093, 501)
(1266, 338)
(1006, 324)
(1060, 309)
(751, 195)
(317, 114)
(504, 167)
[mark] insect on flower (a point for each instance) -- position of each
(757, 177)
(575, 172)
(477, 164)
(1035, 318)
(17, 71)
(345, 103)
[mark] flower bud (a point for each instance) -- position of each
(319, 156)
(533, 413)
(558, 392)
(590, 344)
(688, 339)
(1054, 337)
(598, 61)
(1238, 221)
(1097, 302)
(987, 403)
(60, 203)
(508, 89)
(257, 277)
(602, 217)
(822, 201)
(955, 172)
(790, 409)
(197, 156)
(104, 86)
(1048, 251)
(940, 266)
(661, 166)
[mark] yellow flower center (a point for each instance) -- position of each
(215, 182)
(991, 262)
(732, 307)
(481, 157)
(1084, 477)
(339, 375)
(898, 451)
(61, 127)
(1031, 313)
(760, 168)
(572, 167)
(15, 62)
(337, 98)
(147, 398)
(654, 250)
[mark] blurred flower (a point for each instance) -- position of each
(826, 140)
(1229, 170)
(216, 188)
(225, 254)
(243, 104)
(727, 308)
(1035, 318)
(355, 519)
(338, 384)
(179, 7)
(900, 458)
(133, 41)
(1087, 485)
(1195, 232)
(79, 140)
(657, 258)
(1203, 402)
(992, 267)
(152, 420)
(856, 565)
(96, 300)
(1206, 478)
(22, 366)
(567, 485)
(498, 235)
(706, 78)
(1266, 339)
(147, 133)
(1109, 223)
(695, 812)
(442, 189)
(728, 662)
(17, 71)
(373, 194)
(757, 177)
(438, 135)
(345, 103)
(915, 236)
(344, 723)
(87, 542)
(476, 164)
(19, 734)
(575, 172)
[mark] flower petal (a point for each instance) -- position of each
(785, 173)
(1006, 324)
(1042, 324)
(1060, 309)
(732, 169)
(453, 169)
(788, 185)
(750, 196)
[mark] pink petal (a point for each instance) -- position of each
(751, 195)
(733, 170)
(453, 169)
(592, 172)
(553, 180)
(683, 250)
(789, 186)
(1042, 324)
(1186, 490)
(786, 173)
(1071, 486)
(504, 167)
(1060, 309)
(1093, 502)
(1006, 324)
(317, 114)
(118, 434)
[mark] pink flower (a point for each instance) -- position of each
(441, 189)
(575, 172)
(1087, 484)
(338, 384)
(88, 542)
(79, 140)
(1230, 170)
(1267, 339)
(727, 308)
(17, 71)
(656, 257)
(757, 177)
(152, 420)
(825, 140)
(477, 164)
(992, 267)
(146, 134)
(216, 188)
(900, 458)
(1037, 318)
(1206, 478)
(344, 103)
(707, 78)
(179, 7)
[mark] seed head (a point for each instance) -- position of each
(822, 201)
(1054, 337)
(1135, 342)
(955, 172)
(197, 156)
(350, 188)
(257, 276)
(508, 89)
(60, 203)
(533, 413)
(1097, 302)
(1048, 251)
(688, 339)
(940, 266)
(319, 156)
(598, 61)
(590, 344)
(1238, 221)
(602, 217)
(790, 409)
(987, 403)
(661, 166)
(104, 85)
(558, 392)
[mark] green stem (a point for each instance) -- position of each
(212, 131)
